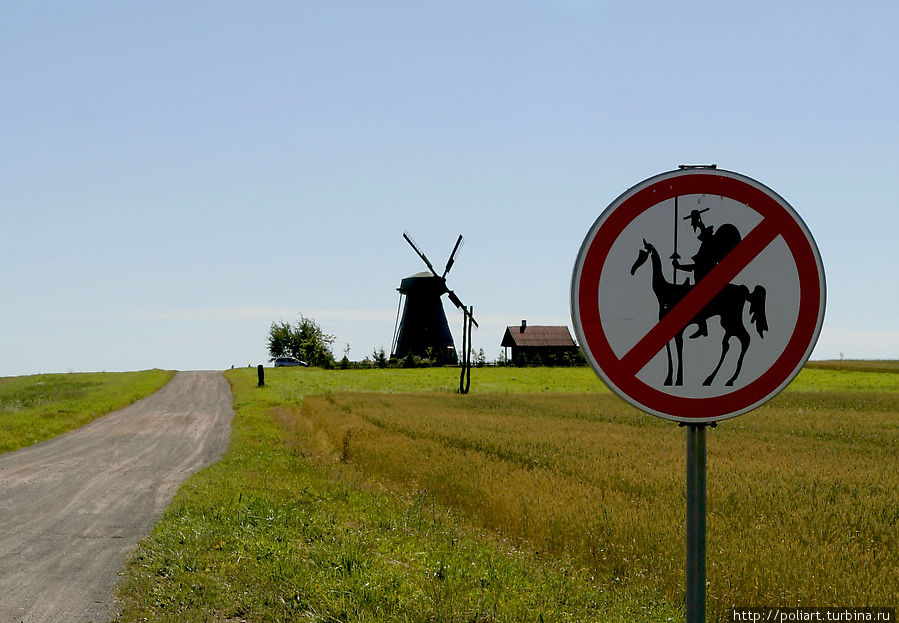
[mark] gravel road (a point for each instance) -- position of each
(74, 507)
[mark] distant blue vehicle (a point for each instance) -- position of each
(284, 362)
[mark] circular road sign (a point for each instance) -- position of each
(698, 294)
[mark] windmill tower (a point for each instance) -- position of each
(423, 330)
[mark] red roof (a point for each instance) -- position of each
(537, 336)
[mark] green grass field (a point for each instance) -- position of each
(381, 495)
(35, 408)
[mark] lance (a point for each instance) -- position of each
(675, 256)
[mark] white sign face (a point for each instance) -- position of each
(698, 295)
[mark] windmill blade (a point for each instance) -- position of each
(419, 251)
(451, 260)
(458, 303)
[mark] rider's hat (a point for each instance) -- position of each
(694, 218)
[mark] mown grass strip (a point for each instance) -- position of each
(856, 365)
(291, 384)
(288, 383)
(39, 407)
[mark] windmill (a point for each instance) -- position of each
(423, 330)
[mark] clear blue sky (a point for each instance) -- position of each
(175, 176)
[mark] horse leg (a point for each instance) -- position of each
(679, 348)
(743, 336)
(670, 370)
(724, 348)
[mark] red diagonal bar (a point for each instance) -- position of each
(699, 296)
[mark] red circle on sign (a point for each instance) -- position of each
(777, 217)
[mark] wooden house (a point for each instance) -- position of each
(546, 344)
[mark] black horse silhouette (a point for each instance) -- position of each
(727, 304)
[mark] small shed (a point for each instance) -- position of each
(551, 344)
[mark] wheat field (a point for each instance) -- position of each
(802, 494)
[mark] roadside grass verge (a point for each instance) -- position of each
(380, 495)
(39, 407)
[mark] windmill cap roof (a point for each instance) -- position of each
(423, 281)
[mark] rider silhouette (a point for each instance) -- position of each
(713, 246)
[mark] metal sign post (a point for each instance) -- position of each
(696, 477)
(749, 254)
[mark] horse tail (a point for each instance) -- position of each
(757, 310)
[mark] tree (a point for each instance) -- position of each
(280, 336)
(305, 341)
